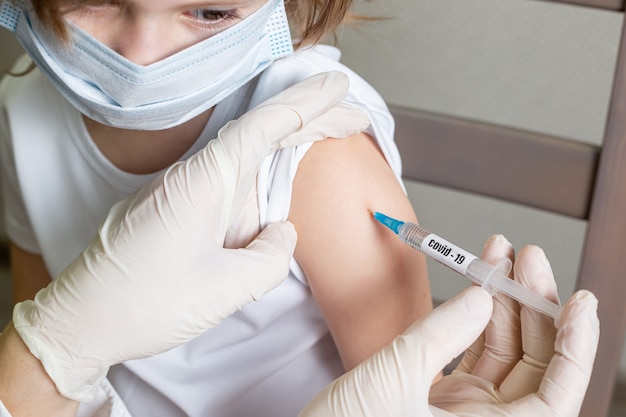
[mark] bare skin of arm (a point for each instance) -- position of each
(369, 285)
(28, 272)
(25, 388)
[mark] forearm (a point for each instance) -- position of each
(25, 387)
(28, 272)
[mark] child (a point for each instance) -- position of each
(122, 90)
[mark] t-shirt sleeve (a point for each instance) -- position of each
(276, 175)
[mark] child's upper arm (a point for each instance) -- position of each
(368, 284)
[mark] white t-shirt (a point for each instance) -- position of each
(268, 359)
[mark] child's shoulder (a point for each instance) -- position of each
(307, 62)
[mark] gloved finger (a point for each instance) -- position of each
(249, 139)
(291, 110)
(472, 355)
(437, 412)
(304, 101)
(396, 380)
(239, 276)
(451, 328)
(272, 249)
(502, 344)
(495, 249)
(246, 226)
(565, 382)
(533, 270)
(341, 121)
(228, 165)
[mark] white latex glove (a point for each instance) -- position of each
(517, 368)
(156, 274)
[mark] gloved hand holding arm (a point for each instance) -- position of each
(157, 275)
(521, 366)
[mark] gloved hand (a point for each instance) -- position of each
(156, 275)
(521, 366)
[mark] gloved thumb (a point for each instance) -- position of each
(396, 380)
(267, 258)
(450, 329)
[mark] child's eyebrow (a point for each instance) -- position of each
(220, 3)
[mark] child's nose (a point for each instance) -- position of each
(145, 41)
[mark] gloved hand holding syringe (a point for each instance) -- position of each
(492, 278)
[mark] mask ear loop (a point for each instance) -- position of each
(10, 13)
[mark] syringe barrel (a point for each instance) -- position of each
(472, 267)
(436, 247)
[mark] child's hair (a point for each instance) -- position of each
(310, 20)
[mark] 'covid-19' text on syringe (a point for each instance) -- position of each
(492, 278)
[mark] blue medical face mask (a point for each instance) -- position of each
(112, 90)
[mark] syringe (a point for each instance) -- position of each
(492, 278)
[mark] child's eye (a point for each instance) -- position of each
(215, 19)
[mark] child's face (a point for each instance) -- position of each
(146, 31)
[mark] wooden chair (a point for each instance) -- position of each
(583, 181)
